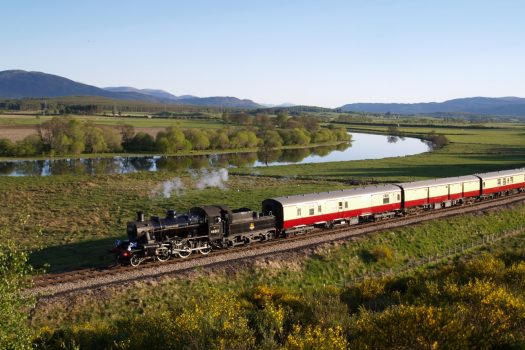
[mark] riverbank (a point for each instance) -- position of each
(178, 154)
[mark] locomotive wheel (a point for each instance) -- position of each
(205, 250)
(164, 254)
(135, 260)
(184, 251)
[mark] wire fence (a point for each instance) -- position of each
(445, 254)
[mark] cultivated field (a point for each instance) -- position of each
(16, 127)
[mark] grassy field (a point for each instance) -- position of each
(508, 134)
(301, 285)
(139, 122)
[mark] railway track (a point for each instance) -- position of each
(61, 283)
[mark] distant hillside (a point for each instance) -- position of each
(509, 106)
(227, 102)
(19, 84)
(150, 92)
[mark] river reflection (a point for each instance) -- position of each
(123, 165)
(363, 146)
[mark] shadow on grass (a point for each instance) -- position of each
(74, 256)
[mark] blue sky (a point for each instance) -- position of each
(324, 53)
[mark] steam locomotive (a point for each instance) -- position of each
(200, 230)
(216, 226)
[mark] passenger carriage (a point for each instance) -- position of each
(439, 193)
(298, 213)
(502, 182)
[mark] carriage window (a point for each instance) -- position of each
(483, 184)
(386, 199)
(312, 211)
(512, 179)
(398, 197)
(499, 181)
(346, 204)
(340, 205)
(298, 211)
(504, 181)
(319, 209)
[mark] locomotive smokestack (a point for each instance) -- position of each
(140, 216)
(170, 214)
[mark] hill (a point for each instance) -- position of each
(511, 106)
(150, 92)
(18, 84)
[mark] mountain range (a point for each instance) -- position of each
(16, 84)
(504, 106)
(22, 84)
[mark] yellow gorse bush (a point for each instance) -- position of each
(314, 338)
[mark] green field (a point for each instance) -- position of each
(139, 122)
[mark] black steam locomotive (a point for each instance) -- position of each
(200, 230)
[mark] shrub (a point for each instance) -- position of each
(313, 338)
(15, 332)
(382, 253)
(6, 148)
(141, 142)
(31, 145)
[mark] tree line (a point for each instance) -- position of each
(65, 136)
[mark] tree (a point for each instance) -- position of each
(271, 140)
(219, 139)
(323, 135)
(172, 140)
(244, 139)
(15, 332)
(31, 145)
(393, 130)
(262, 120)
(6, 148)
(225, 117)
(198, 138)
(311, 124)
(437, 140)
(142, 142)
(63, 135)
(127, 132)
(113, 139)
(281, 119)
(94, 140)
(286, 136)
(300, 137)
(341, 134)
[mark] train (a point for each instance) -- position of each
(208, 227)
